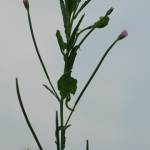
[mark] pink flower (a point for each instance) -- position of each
(122, 35)
(26, 4)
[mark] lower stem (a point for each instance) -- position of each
(62, 125)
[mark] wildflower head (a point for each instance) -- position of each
(122, 35)
(26, 4)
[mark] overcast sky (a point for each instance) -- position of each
(114, 111)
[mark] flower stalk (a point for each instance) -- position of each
(38, 53)
(90, 79)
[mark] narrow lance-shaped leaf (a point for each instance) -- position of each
(74, 33)
(82, 7)
(65, 18)
(70, 60)
(73, 5)
(76, 6)
(70, 5)
(61, 43)
(63, 9)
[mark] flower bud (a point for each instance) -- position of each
(102, 22)
(109, 11)
(122, 35)
(26, 4)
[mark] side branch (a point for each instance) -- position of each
(39, 56)
(90, 79)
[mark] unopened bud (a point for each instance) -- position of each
(102, 22)
(109, 11)
(122, 35)
(26, 4)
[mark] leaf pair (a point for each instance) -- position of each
(68, 8)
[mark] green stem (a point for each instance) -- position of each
(62, 124)
(87, 145)
(39, 56)
(57, 132)
(87, 28)
(92, 29)
(90, 79)
(26, 117)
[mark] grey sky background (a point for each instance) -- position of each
(113, 113)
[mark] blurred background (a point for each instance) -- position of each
(114, 111)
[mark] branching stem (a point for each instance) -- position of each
(90, 79)
(39, 56)
(85, 37)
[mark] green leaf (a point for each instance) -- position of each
(74, 33)
(67, 85)
(65, 18)
(63, 10)
(61, 43)
(70, 60)
(82, 7)
(72, 5)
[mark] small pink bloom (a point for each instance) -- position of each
(122, 35)
(26, 4)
